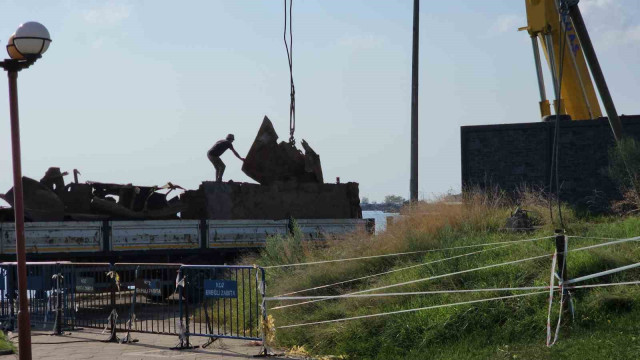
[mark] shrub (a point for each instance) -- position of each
(624, 170)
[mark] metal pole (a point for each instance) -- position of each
(554, 75)
(544, 103)
(596, 71)
(413, 183)
(536, 58)
(58, 326)
(24, 324)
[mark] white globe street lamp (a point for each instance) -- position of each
(31, 39)
(25, 46)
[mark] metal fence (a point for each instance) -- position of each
(173, 299)
(43, 290)
(223, 301)
(147, 300)
(90, 291)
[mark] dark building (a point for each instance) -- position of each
(511, 155)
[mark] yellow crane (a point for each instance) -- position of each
(559, 28)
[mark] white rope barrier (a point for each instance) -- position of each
(618, 241)
(425, 279)
(464, 271)
(556, 288)
(591, 237)
(495, 265)
(392, 271)
(432, 292)
(601, 273)
(405, 253)
(603, 285)
(410, 310)
(454, 291)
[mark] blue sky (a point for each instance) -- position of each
(137, 91)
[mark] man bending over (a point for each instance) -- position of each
(217, 150)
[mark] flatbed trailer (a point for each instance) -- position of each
(162, 240)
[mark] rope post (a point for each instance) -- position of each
(113, 337)
(58, 325)
(265, 330)
(186, 344)
(12, 292)
(132, 314)
(562, 247)
(182, 285)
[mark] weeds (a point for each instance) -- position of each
(513, 327)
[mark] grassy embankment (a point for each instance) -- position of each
(606, 323)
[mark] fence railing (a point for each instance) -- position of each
(172, 299)
(223, 301)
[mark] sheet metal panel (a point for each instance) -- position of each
(154, 235)
(54, 237)
(324, 228)
(243, 233)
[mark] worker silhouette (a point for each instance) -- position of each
(217, 150)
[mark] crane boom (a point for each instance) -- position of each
(578, 94)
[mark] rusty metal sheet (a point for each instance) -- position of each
(269, 161)
(243, 233)
(54, 237)
(154, 235)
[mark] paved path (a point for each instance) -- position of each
(86, 344)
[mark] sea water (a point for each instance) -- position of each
(380, 218)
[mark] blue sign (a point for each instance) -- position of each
(86, 285)
(221, 289)
(148, 287)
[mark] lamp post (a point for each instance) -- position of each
(25, 46)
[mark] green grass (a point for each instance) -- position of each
(5, 343)
(606, 319)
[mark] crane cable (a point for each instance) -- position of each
(289, 47)
(563, 12)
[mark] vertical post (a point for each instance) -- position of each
(58, 327)
(594, 65)
(11, 290)
(113, 337)
(186, 344)
(413, 183)
(561, 248)
(180, 296)
(182, 284)
(24, 323)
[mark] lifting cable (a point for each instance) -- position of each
(289, 47)
(563, 11)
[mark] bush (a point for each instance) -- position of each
(624, 170)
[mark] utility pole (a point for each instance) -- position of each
(413, 182)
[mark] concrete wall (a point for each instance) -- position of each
(511, 155)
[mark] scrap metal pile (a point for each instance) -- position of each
(291, 184)
(50, 199)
